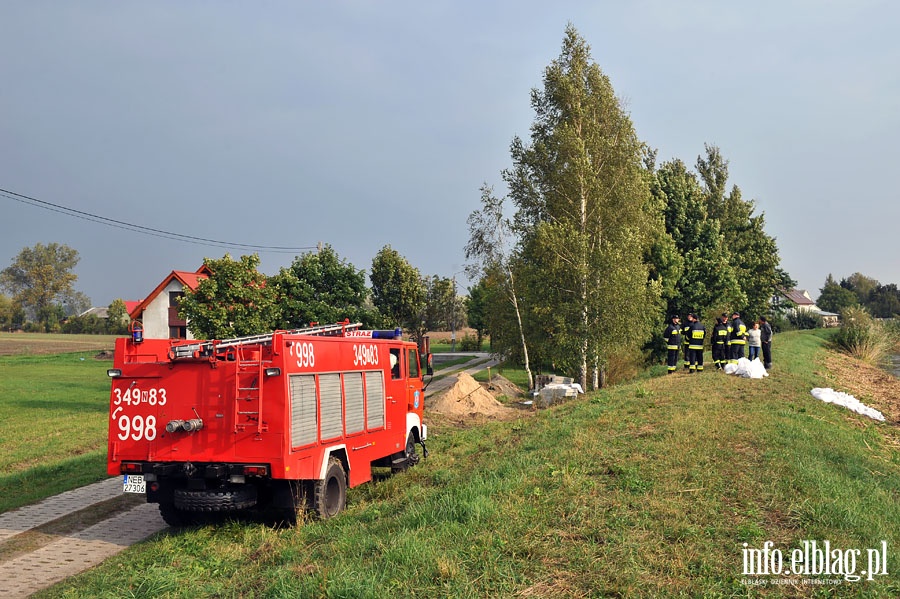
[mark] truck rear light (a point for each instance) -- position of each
(273, 371)
(113, 373)
(131, 468)
(256, 470)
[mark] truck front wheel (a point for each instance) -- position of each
(330, 494)
(408, 457)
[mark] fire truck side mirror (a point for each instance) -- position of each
(429, 365)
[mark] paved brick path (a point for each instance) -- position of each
(76, 552)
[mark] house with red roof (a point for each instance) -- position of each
(801, 300)
(798, 300)
(159, 311)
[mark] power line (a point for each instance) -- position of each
(117, 224)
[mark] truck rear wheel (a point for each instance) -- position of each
(330, 493)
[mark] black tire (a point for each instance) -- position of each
(177, 518)
(215, 500)
(408, 457)
(330, 493)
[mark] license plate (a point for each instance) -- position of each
(134, 483)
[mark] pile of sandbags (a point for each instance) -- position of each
(747, 369)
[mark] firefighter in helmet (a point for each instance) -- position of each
(685, 334)
(738, 337)
(720, 347)
(672, 335)
(695, 345)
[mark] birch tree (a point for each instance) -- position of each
(489, 249)
(580, 192)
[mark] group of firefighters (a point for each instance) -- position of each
(729, 337)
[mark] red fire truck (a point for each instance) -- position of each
(273, 423)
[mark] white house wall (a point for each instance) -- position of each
(156, 314)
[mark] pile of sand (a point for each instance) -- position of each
(468, 399)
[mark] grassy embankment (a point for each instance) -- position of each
(647, 489)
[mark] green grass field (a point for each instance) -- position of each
(646, 489)
(53, 410)
(26, 344)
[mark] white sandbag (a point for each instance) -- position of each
(748, 369)
(756, 369)
(829, 395)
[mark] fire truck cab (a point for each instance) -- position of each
(275, 423)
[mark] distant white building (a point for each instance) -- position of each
(794, 301)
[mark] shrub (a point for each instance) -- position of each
(780, 323)
(469, 343)
(863, 337)
(804, 319)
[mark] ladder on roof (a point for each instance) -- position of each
(207, 348)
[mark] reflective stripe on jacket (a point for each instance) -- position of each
(698, 334)
(720, 334)
(672, 337)
(738, 332)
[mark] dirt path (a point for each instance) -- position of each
(61, 536)
(479, 361)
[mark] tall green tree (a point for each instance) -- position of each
(321, 287)
(783, 279)
(664, 258)
(476, 309)
(580, 194)
(707, 282)
(76, 302)
(753, 254)
(117, 317)
(444, 309)
(40, 278)
(884, 301)
(861, 285)
(834, 297)
(12, 316)
(398, 292)
(234, 301)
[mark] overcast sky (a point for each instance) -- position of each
(363, 124)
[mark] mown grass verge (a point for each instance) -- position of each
(647, 489)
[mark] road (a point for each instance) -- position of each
(43, 544)
(478, 362)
